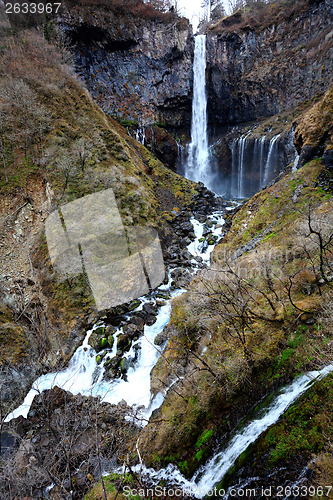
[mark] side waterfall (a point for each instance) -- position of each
(272, 155)
(215, 469)
(255, 162)
(210, 474)
(198, 165)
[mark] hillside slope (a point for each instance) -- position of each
(252, 322)
(58, 145)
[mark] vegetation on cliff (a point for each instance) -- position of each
(57, 145)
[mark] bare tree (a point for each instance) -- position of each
(4, 129)
(82, 151)
(66, 440)
(66, 166)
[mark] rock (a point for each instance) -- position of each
(99, 330)
(307, 154)
(124, 342)
(102, 338)
(163, 294)
(327, 158)
(137, 320)
(161, 338)
(163, 145)
(124, 365)
(150, 320)
(134, 304)
(133, 331)
(112, 367)
(112, 53)
(100, 357)
(150, 308)
(114, 320)
(109, 330)
(243, 63)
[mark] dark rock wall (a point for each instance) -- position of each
(259, 74)
(138, 70)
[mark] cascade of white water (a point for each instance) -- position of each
(295, 164)
(214, 470)
(241, 164)
(180, 158)
(198, 165)
(83, 374)
(272, 153)
(261, 158)
(217, 466)
(140, 135)
(234, 176)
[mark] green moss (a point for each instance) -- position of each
(104, 342)
(112, 483)
(207, 434)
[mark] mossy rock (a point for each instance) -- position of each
(123, 343)
(104, 343)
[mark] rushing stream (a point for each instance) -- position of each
(83, 375)
(209, 475)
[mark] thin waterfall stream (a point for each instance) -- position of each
(209, 475)
(197, 167)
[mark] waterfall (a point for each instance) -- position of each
(198, 165)
(241, 163)
(261, 158)
(140, 135)
(272, 154)
(215, 469)
(234, 176)
(254, 163)
(208, 475)
(295, 164)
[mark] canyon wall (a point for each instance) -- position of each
(138, 69)
(257, 71)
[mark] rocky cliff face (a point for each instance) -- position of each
(255, 72)
(138, 69)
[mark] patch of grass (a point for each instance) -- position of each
(111, 484)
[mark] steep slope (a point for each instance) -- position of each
(58, 145)
(253, 321)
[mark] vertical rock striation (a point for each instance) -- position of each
(257, 71)
(139, 70)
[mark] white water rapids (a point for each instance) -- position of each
(83, 375)
(209, 475)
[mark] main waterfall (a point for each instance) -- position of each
(197, 167)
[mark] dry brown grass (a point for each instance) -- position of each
(316, 125)
(258, 15)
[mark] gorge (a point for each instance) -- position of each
(221, 376)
